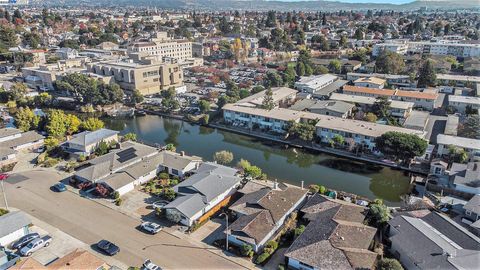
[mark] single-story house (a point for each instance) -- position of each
(178, 164)
(128, 154)
(262, 212)
(15, 139)
(432, 241)
(335, 238)
(465, 177)
(86, 142)
(13, 225)
(210, 185)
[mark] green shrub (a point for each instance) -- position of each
(169, 194)
(173, 182)
(262, 258)
(118, 201)
(245, 250)
(281, 267)
(50, 162)
(314, 188)
(299, 230)
(116, 195)
(3, 212)
(164, 175)
(272, 244)
(82, 158)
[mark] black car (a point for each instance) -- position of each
(108, 247)
(24, 240)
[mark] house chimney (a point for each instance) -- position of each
(302, 185)
(275, 184)
(182, 153)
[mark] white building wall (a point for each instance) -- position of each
(10, 238)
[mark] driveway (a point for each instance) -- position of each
(90, 222)
(435, 125)
(26, 161)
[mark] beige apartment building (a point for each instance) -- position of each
(163, 46)
(148, 77)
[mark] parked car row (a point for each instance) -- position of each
(30, 243)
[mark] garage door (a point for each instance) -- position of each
(125, 189)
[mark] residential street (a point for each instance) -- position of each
(90, 222)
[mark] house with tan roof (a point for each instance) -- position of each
(370, 82)
(78, 259)
(335, 237)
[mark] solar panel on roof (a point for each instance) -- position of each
(126, 154)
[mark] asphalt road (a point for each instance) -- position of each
(90, 222)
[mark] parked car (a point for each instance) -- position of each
(108, 247)
(149, 265)
(24, 240)
(151, 227)
(35, 245)
(59, 187)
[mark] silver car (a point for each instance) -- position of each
(149, 265)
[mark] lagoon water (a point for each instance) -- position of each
(287, 165)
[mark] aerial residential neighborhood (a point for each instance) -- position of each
(239, 134)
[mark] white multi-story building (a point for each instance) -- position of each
(278, 120)
(435, 48)
(400, 48)
(392, 79)
(311, 84)
(425, 100)
(471, 146)
(358, 132)
(162, 46)
(461, 103)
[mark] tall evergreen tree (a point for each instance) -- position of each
(427, 75)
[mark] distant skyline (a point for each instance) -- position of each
(395, 2)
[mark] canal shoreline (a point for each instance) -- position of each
(337, 153)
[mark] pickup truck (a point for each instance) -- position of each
(35, 245)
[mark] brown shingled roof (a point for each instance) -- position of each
(78, 259)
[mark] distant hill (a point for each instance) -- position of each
(262, 5)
